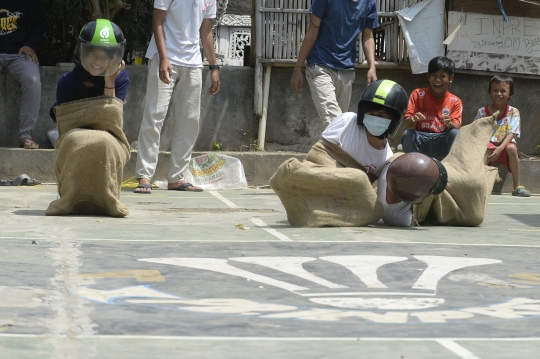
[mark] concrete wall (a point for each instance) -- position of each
(225, 118)
(292, 123)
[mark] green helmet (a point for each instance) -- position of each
(385, 93)
(102, 47)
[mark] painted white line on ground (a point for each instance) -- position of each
(289, 339)
(223, 199)
(352, 241)
(365, 293)
(288, 239)
(257, 221)
(272, 231)
(456, 349)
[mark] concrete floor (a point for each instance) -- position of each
(223, 275)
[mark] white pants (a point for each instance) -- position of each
(330, 90)
(184, 94)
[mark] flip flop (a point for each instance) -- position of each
(28, 144)
(144, 185)
(22, 180)
(183, 187)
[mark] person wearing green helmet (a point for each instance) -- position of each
(99, 68)
(92, 149)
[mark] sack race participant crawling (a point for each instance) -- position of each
(331, 188)
(333, 185)
(91, 150)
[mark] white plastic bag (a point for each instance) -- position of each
(53, 135)
(215, 171)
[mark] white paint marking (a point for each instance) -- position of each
(221, 266)
(289, 265)
(272, 231)
(439, 266)
(223, 199)
(352, 241)
(365, 293)
(365, 267)
(456, 349)
(270, 339)
(381, 303)
(107, 296)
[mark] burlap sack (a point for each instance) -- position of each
(470, 182)
(329, 188)
(90, 156)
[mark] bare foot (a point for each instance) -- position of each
(181, 186)
(144, 186)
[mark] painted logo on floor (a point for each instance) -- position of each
(373, 300)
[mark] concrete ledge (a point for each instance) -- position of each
(258, 166)
(39, 164)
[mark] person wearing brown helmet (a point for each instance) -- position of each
(409, 179)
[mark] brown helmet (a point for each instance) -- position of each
(413, 177)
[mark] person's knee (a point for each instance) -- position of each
(408, 141)
(408, 136)
(31, 81)
(452, 135)
(512, 151)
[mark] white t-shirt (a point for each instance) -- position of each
(397, 214)
(345, 132)
(181, 27)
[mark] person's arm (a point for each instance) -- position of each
(207, 40)
(312, 33)
(454, 119)
(413, 113)
(63, 90)
(37, 29)
(165, 67)
(122, 85)
(411, 120)
(500, 147)
(368, 45)
(110, 81)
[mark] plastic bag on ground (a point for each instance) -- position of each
(215, 171)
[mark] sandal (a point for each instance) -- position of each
(184, 187)
(145, 187)
(22, 180)
(28, 143)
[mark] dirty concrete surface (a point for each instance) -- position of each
(223, 275)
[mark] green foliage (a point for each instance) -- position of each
(136, 24)
(64, 20)
(252, 142)
(217, 146)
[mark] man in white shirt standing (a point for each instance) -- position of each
(175, 77)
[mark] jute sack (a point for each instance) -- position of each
(470, 182)
(329, 188)
(90, 156)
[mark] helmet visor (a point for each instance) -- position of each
(103, 60)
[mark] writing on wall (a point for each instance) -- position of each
(519, 36)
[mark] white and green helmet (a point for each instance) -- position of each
(104, 35)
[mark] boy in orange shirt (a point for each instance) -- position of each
(434, 114)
